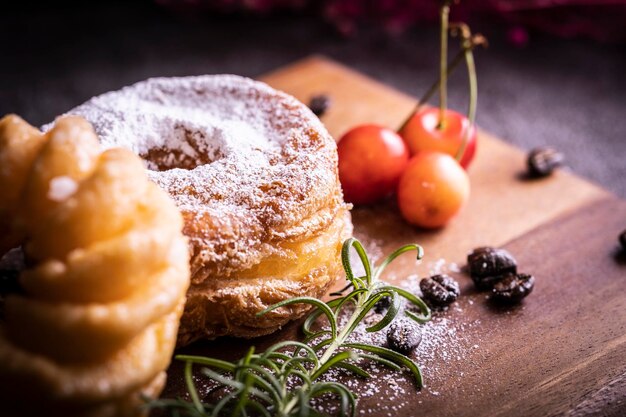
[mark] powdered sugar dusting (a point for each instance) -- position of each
(441, 355)
(156, 113)
(61, 188)
(440, 266)
(245, 162)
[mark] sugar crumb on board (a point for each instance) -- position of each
(443, 350)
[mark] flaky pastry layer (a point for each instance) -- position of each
(229, 305)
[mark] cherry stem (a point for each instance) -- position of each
(458, 58)
(473, 101)
(468, 42)
(443, 61)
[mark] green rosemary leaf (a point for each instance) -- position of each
(303, 400)
(271, 361)
(415, 300)
(391, 314)
(241, 403)
(244, 361)
(309, 321)
(314, 315)
(394, 255)
(308, 300)
(311, 356)
(263, 411)
(335, 359)
(266, 380)
(191, 387)
(289, 343)
(348, 401)
(294, 364)
(223, 403)
(393, 356)
(304, 376)
(359, 282)
(416, 318)
(322, 344)
(380, 360)
(316, 335)
(362, 312)
(345, 260)
(237, 385)
(333, 303)
(202, 360)
(350, 298)
(354, 369)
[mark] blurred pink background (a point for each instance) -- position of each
(603, 20)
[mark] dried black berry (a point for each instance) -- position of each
(513, 287)
(487, 264)
(622, 239)
(382, 305)
(440, 290)
(403, 335)
(542, 161)
(319, 104)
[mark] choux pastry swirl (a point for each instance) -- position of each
(108, 268)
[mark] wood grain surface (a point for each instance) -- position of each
(561, 352)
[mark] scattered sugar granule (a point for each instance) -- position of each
(61, 188)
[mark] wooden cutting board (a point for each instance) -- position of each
(561, 352)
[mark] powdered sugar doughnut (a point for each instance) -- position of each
(254, 174)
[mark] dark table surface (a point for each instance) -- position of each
(569, 94)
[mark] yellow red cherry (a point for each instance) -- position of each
(371, 160)
(432, 189)
(423, 133)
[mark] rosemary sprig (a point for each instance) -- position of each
(286, 378)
